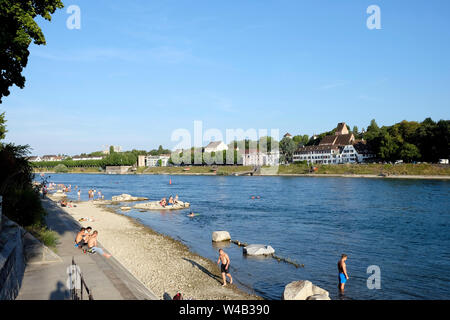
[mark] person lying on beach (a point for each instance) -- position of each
(92, 244)
(63, 203)
(225, 267)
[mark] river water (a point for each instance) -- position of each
(401, 226)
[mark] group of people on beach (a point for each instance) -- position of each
(86, 238)
(92, 192)
(164, 202)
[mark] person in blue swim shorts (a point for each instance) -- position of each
(342, 268)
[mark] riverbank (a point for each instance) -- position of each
(399, 171)
(162, 264)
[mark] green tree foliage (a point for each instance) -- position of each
(60, 168)
(18, 29)
(20, 201)
(114, 159)
(287, 148)
(301, 139)
(410, 140)
(2, 126)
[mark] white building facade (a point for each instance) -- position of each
(255, 158)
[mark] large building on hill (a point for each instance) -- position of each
(342, 147)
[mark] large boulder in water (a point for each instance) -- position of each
(221, 236)
(318, 297)
(127, 197)
(258, 250)
(304, 290)
(156, 205)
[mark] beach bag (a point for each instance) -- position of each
(178, 296)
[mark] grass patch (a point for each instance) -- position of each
(45, 235)
(424, 169)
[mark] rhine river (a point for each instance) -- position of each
(401, 226)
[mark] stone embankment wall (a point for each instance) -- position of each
(12, 261)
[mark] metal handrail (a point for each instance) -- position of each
(79, 277)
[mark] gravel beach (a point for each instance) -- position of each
(163, 264)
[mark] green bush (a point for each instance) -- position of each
(24, 207)
(46, 236)
(60, 168)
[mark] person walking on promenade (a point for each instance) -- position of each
(342, 268)
(225, 267)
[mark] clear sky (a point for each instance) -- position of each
(138, 70)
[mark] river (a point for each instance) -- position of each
(401, 226)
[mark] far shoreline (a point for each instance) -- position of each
(315, 175)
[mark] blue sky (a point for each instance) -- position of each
(138, 70)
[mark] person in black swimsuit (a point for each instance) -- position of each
(225, 267)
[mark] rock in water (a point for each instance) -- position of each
(258, 250)
(221, 236)
(304, 290)
(319, 297)
(127, 197)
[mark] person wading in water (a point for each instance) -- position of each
(343, 276)
(225, 267)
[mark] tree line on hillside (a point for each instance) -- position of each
(409, 141)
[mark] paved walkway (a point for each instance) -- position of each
(106, 278)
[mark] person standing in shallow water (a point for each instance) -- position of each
(225, 267)
(343, 276)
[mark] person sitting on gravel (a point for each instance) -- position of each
(84, 237)
(92, 244)
(79, 238)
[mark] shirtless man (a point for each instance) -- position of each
(343, 276)
(84, 237)
(79, 237)
(225, 267)
(92, 244)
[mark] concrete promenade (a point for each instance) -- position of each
(106, 278)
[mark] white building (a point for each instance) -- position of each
(216, 146)
(51, 158)
(83, 158)
(253, 157)
(153, 161)
(34, 159)
(115, 149)
(335, 149)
